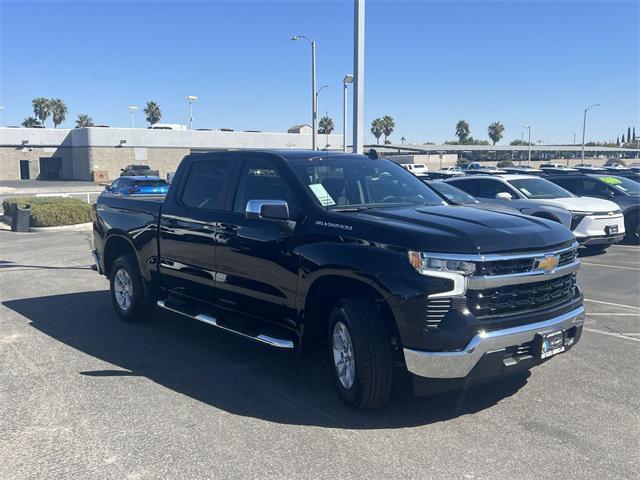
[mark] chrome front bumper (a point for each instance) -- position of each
(458, 364)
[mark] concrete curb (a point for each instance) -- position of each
(5, 224)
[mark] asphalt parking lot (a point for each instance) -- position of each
(84, 395)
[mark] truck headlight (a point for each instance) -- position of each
(425, 263)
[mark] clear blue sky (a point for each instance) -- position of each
(428, 63)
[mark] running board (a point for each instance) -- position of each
(208, 319)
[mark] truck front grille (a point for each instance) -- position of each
(519, 265)
(512, 299)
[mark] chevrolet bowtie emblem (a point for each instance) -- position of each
(548, 263)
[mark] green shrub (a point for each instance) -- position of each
(51, 211)
(505, 163)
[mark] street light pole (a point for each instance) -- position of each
(314, 103)
(191, 99)
(529, 128)
(132, 109)
(316, 99)
(347, 80)
(358, 71)
(584, 126)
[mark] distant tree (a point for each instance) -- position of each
(41, 108)
(388, 125)
(153, 113)
(519, 142)
(403, 140)
(628, 134)
(623, 142)
(58, 111)
(495, 130)
(618, 141)
(505, 163)
(31, 122)
(377, 129)
(634, 134)
(325, 125)
(462, 131)
(84, 121)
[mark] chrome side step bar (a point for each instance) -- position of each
(208, 319)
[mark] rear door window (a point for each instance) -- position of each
(468, 185)
(260, 180)
(206, 184)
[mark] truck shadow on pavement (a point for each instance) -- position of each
(230, 373)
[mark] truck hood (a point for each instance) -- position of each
(581, 204)
(460, 229)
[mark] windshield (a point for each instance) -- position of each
(539, 188)
(345, 183)
(623, 184)
(453, 194)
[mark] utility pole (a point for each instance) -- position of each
(584, 126)
(529, 128)
(358, 71)
(345, 108)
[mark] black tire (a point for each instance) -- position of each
(598, 248)
(632, 229)
(372, 353)
(141, 304)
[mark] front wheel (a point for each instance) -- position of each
(128, 295)
(633, 230)
(360, 353)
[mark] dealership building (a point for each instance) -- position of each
(98, 153)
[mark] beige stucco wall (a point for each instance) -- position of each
(10, 161)
(112, 159)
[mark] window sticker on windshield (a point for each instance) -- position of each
(322, 195)
(611, 180)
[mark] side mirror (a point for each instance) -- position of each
(277, 210)
(504, 196)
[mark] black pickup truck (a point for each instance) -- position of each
(308, 250)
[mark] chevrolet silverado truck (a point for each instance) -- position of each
(311, 251)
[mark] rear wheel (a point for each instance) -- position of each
(360, 353)
(128, 295)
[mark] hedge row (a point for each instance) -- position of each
(51, 211)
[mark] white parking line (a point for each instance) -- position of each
(611, 334)
(629, 247)
(614, 314)
(612, 304)
(609, 266)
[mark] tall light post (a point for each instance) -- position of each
(191, 99)
(347, 80)
(317, 95)
(314, 104)
(358, 72)
(529, 158)
(132, 110)
(584, 126)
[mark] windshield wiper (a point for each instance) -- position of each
(350, 209)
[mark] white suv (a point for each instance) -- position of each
(596, 223)
(416, 168)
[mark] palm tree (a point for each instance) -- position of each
(41, 108)
(462, 131)
(377, 129)
(84, 121)
(495, 131)
(403, 140)
(31, 122)
(388, 125)
(152, 110)
(325, 125)
(58, 111)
